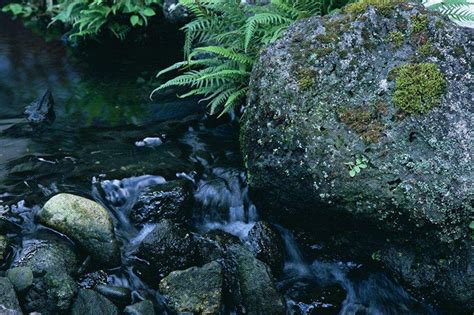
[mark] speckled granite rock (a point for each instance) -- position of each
(369, 114)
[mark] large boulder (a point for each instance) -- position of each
(198, 290)
(84, 221)
(368, 115)
(166, 248)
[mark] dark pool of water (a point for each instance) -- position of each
(103, 111)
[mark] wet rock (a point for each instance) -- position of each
(3, 247)
(172, 200)
(198, 290)
(320, 300)
(257, 287)
(50, 294)
(118, 295)
(333, 114)
(89, 302)
(168, 247)
(41, 110)
(91, 280)
(86, 222)
(20, 277)
(266, 243)
(175, 12)
(141, 308)
(47, 253)
(8, 299)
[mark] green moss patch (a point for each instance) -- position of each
(365, 120)
(396, 38)
(418, 87)
(384, 6)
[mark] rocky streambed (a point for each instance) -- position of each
(122, 206)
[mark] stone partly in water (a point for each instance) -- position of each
(50, 294)
(266, 243)
(141, 308)
(8, 299)
(168, 247)
(89, 302)
(337, 126)
(257, 289)
(198, 290)
(84, 221)
(20, 277)
(173, 200)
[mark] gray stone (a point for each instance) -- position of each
(168, 247)
(3, 247)
(8, 297)
(89, 302)
(20, 277)
(267, 245)
(141, 308)
(323, 102)
(197, 290)
(84, 221)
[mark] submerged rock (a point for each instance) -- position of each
(267, 245)
(368, 115)
(198, 290)
(168, 247)
(8, 299)
(41, 110)
(89, 302)
(86, 222)
(172, 200)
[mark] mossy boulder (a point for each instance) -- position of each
(368, 114)
(84, 221)
(198, 290)
(8, 299)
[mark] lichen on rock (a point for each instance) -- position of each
(391, 85)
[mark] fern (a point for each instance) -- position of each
(223, 42)
(456, 10)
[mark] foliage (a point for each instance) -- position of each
(457, 10)
(91, 17)
(385, 6)
(418, 87)
(357, 166)
(224, 40)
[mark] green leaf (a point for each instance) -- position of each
(471, 225)
(149, 12)
(362, 165)
(134, 20)
(16, 8)
(352, 173)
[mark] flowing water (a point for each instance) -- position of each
(109, 142)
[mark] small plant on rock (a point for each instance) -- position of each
(357, 166)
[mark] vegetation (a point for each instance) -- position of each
(224, 40)
(357, 166)
(457, 10)
(88, 18)
(418, 87)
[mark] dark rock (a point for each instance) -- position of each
(8, 299)
(89, 302)
(266, 243)
(332, 114)
(118, 295)
(168, 247)
(41, 110)
(84, 221)
(321, 300)
(3, 247)
(50, 294)
(176, 13)
(141, 308)
(257, 287)
(173, 200)
(198, 290)
(20, 277)
(91, 280)
(47, 253)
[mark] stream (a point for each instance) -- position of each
(109, 142)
